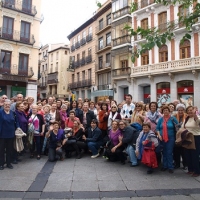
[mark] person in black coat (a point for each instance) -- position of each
(128, 138)
(94, 139)
(78, 111)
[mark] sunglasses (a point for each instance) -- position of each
(137, 106)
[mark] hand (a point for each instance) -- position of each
(58, 148)
(137, 153)
(83, 137)
(42, 134)
(160, 137)
(143, 142)
(113, 149)
(51, 127)
(120, 138)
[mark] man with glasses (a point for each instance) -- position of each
(127, 139)
(128, 109)
(20, 98)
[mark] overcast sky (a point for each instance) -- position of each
(63, 16)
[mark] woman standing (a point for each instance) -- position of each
(78, 111)
(192, 123)
(114, 115)
(63, 116)
(138, 113)
(166, 132)
(39, 127)
(8, 125)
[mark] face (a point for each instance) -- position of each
(53, 107)
(121, 125)
(91, 105)
(153, 107)
(58, 103)
(108, 101)
(104, 107)
(46, 109)
(74, 104)
(120, 106)
(146, 129)
(64, 109)
(93, 125)
(97, 106)
(128, 99)
(71, 115)
(114, 125)
(166, 112)
(6, 106)
(80, 100)
(75, 124)
(80, 105)
(147, 107)
(44, 102)
(21, 107)
(190, 112)
(114, 108)
(85, 106)
(171, 107)
(181, 111)
(39, 106)
(55, 126)
(50, 100)
(25, 106)
(138, 107)
(19, 97)
(4, 97)
(34, 109)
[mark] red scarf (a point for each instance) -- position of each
(165, 133)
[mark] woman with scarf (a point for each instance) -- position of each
(152, 116)
(166, 133)
(63, 116)
(138, 113)
(179, 151)
(114, 115)
(145, 147)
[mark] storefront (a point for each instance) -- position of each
(2, 90)
(163, 93)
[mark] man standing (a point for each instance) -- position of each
(2, 100)
(128, 109)
(20, 98)
(50, 101)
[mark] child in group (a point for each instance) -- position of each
(145, 147)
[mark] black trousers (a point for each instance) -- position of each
(6, 145)
(178, 153)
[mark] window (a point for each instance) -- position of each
(163, 53)
(5, 59)
(83, 75)
(74, 41)
(72, 77)
(9, 3)
(57, 55)
(23, 63)
(42, 67)
(145, 58)
(185, 49)
(100, 24)
(56, 67)
(27, 6)
(144, 23)
(84, 35)
(78, 57)
(101, 43)
(89, 51)
(51, 57)
(101, 62)
(89, 74)
(65, 52)
(8, 27)
(79, 38)
(25, 32)
(83, 54)
(108, 58)
(108, 19)
(119, 4)
(162, 21)
(46, 67)
(90, 31)
(108, 39)
(183, 12)
(124, 63)
(78, 76)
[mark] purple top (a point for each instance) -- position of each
(114, 136)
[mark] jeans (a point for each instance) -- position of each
(192, 156)
(52, 154)
(131, 152)
(168, 153)
(38, 141)
(6, 143)
(94, 147)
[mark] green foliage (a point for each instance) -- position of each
(159, 36)
(98, 4)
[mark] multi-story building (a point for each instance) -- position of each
(171, 71)
(121, 48)
(103, 31)
(57, 82)
(19, 44)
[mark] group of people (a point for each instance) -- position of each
(142, 132)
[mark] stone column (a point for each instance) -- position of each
(31, 90)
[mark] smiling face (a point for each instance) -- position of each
(181, 111)
(190, 111)
(153, 107)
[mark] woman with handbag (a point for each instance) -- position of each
(114, 148)
(192, 123)
(166, 133)
(8, 125)
(37, 121)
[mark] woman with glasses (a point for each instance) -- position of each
(138, 113)
(8, 125)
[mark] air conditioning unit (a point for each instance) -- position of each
(94, 88)
(110, 87)
(107, 65)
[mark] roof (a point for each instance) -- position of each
(62, 47)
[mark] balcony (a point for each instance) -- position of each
(82, 61)
(77, 64)
(103, 65)
(122, 40)
(103, 87)
(176, 66)
(77, 45)
(83, 41)
(86, 83)
(53, 78)
(88, 59)
(43, 85)
(72, 48)
(89, 38)
(102, 27)
(16, 36)
(80, 84)
(144, 3)
(121, 72)
(19, 6)
(122, 12)
(72, 85)
(103, 47)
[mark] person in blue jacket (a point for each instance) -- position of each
(8, 125)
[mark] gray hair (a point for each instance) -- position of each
(63, 106)
(7, 101)
(180, 105)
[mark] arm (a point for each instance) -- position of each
(129, 135)
(158, 129)
(95, 136)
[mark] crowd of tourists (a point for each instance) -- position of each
(126, 132)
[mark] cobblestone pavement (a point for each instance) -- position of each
(98, 178)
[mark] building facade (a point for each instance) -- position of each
(121, 49)
(57, 81)
(171, 71)
(19, 44)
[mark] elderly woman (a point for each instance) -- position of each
(63, 115)
(138, 112)
(8, 125)
(152, 116)
(69, 122)
(113, 115)
(39, 127)
(179, 151)
(192, 123)
(78, 111)
(166, 132)
(55, 115)
(94, 139)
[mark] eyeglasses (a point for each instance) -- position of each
(137, 106)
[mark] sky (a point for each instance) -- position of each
(61, 17)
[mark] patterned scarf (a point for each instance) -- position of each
(165, 132)
(153, 116)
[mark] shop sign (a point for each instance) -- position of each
(18, 90)
(186, 90)
(163, 91)
(14, 78)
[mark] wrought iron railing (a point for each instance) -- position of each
(122, 40)
(124, 71)
(102, 26)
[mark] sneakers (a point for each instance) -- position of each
(95, 156)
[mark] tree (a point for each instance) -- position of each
(154, 36)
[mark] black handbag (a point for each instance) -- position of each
(159, 148)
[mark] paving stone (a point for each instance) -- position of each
(85, 195)
(57, 185)
(138, 185)
(151, 193)
(32, 195)
(108, 185)
(145, 198)
(117, 194)
(11, 194)
(177, 197)
(195, 196)
(84, 176)
(37, 186)
(116, 198)
(84, 185)
(56, 195)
